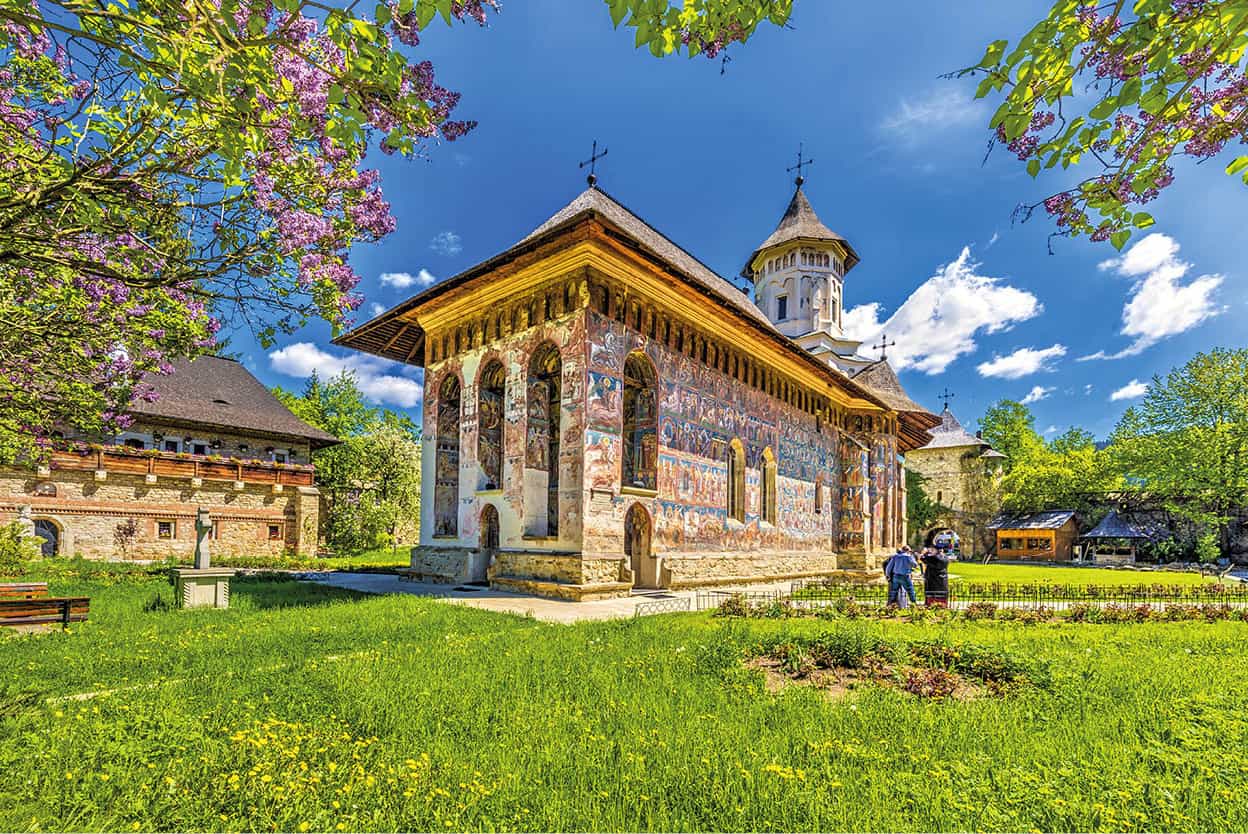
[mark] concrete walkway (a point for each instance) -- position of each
(549, 610)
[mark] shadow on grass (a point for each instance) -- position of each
(261, 592)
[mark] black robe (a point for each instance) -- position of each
(936, 576)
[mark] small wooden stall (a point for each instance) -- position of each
(1046, 536)
(1116, 540)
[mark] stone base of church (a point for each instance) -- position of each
(590, 576)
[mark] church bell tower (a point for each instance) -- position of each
(799, 275)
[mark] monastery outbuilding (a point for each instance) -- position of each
(603, 412)
(215, 437)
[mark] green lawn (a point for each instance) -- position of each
(302, 706)
(977, 572)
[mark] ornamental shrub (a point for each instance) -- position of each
(17, 550)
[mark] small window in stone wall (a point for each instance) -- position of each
(166, 529)
(275, 532)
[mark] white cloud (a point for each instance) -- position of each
(301, 359)
(995, 237)
(1087, 389)
(1022, 362)
(375, 309)
(1160, 305)
(1050, 429)
(404, 280)
(446, 243)
(939, 321)
(940, 109)
(1036, 394)
(1130, 391)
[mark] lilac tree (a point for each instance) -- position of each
(1124, 88)
(167, 167)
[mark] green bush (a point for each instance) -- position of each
(17, 550)
(1207, 551)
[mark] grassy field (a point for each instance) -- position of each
(306, 708)
(977, 572)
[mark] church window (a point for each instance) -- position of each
(490, 425)
(446, 465)
(736, 480)
(782, 307)
(819, 495)
(542, 440)
(767, 495)
(835, 317)
(641, 435)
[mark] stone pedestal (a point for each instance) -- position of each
(202, 587)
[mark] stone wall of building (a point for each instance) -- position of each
(250, 518)
(215, 443)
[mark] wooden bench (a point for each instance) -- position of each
(44, 611)
(23, 590)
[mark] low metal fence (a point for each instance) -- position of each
(1029, 594)
(663, 606)
(711, 599)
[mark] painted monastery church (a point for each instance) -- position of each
(603, 412)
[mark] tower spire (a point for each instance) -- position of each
(798, 167)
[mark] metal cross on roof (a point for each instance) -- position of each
(592, 162)
(800, 164)
(946, 395)
(884, 345)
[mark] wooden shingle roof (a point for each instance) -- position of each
(799, 222)
(220, 393)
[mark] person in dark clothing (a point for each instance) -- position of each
(936, 576)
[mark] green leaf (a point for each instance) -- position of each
(992, 56)
(1155, 99)
(1237, 165)
(1142, 220)
(618, 9)
(1033, 167)
(1130, 92)
(1104, 107)
(1119, 239)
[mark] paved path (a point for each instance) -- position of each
(549, 610)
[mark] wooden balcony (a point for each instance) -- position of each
(156, 465)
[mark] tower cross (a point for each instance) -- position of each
(884, 345)
(800, 165)
(592, 162)
(946, 395)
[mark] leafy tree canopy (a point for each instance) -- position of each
(1123, 88)
(173, 166)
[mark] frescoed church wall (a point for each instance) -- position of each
(700, 411)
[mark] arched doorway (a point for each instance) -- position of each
(929, 540)
(50, 536)
(487, 551)
(638, 547)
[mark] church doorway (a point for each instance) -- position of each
(49, 535)
(638, 548)
(488, 549)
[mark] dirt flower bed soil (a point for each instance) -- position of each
(841, 661)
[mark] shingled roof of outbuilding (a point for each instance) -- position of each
(950, 434)
(800, 222)
(220, 393)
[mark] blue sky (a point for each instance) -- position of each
(975, 301)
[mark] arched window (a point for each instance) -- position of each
(446, 467)
(819, 494)
(736, 480)
(490, 389)
(641, 423)
(767, 495)
(542, 441)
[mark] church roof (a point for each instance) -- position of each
(594, 199)
(880, 377)
(801, 223)
(950, 434)
(220, 393)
